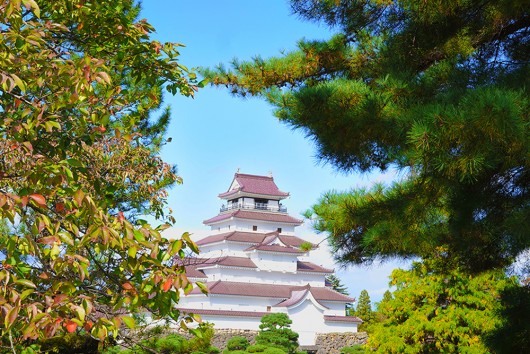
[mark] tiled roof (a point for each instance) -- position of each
(262, 185)
(255, 215)
(229, 261)
(193, 272)
(225, 313)
(293, 241)
(351, 319)
(296, 297)
(275, 248)
(311, 267)
(250, 237)
(236, 236)
(328, 294)
(193, 265)
(270, 290)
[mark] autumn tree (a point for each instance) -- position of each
(79, 164)
(437, 308)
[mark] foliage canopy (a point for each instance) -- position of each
(275, 332)
(437, 90)
(79, 163)
(439, 309)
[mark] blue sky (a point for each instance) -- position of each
(215, 134)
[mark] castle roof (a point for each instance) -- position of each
(276, 248)
(252, 184)
(252, 238)
(254, 215)
(227, 313)
(311, 267)
(194, 265)
(270, 291)
(351, 319)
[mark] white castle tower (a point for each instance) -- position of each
(250, 264)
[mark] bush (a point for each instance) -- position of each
(275, 332)
(70, 343)
(237, 343)
(354, 349)
(257, 348)
(173, 343)
(272, 350)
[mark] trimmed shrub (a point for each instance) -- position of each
(237, 343)
(256, 348)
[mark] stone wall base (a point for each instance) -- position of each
(332, 343)
(327, 343)
(222, 336)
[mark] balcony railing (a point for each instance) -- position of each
(255, 206)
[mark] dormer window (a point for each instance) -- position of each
(279, 230)
(254, 228)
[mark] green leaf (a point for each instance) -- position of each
(19, 82)
(202, 286)
(27, 283)
(74, 162)
(129, 321)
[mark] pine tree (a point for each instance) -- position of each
(336, 284)
(275, 331)
(438, 91)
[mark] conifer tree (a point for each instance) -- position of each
(387, 296)
(436, 90)
(364, 310)
(336, 284)
(364, 306)
(275, 331)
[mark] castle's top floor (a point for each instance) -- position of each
(258, 187)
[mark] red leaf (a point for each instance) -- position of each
(39, 199)
(127, 286)
(167, 285)
(48, 240)
(121, 217)
(70, 326)
(88, 326)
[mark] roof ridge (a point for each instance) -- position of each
(252, 176)
(214, 284)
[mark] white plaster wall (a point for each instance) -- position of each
(331, 327)
(251, 323)
(307, 321)
(247, 225)
(255, 276)
(334, 308)
(232, 303)
(274, 261)
(224, 249)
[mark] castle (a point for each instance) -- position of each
(251, 266)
